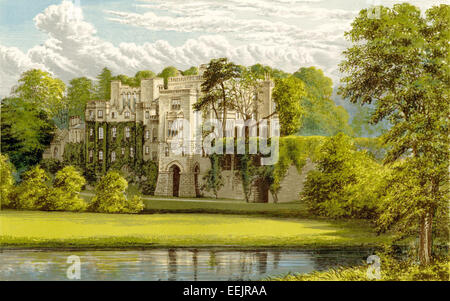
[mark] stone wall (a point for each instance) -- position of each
(293, 183)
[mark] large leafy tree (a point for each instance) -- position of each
(215, 90)
(103, 87)
(26, 131)
(287, 95)
(6, 180)
(45, 92)
(399, 63)
(321, 115)
(80, 91)
(168, 72)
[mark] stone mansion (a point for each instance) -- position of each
(137, 123)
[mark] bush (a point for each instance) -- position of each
(110, 196)
(32, 191)
(64, 196)
(51, 166)
(346, 183)
(6, 180)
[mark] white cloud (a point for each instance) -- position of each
(286, 34)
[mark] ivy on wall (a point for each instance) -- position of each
(74, 154)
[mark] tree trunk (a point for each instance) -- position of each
(425, 238)
(275, 197)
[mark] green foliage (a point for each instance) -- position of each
(45, 93)
(346, 183)
(260, 71)
(74, 154)
(362, 126)
(321, 116)
(293, 150)
(26, 132)
(399, 63)
(247, 171)
(214, 89)
(392, 268)
(149, 177)
(110, 196)
(190, 71)
(213, 178)
(64, 196)
(6, 180)
(32, 191)
(103, 87)
(80, 91)
(51, 166)
(287, 95)
(168, 72)
(406, 199)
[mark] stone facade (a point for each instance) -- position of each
(293, 183)
(156, 108)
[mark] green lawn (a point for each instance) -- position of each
(225, 207)
(92, 230)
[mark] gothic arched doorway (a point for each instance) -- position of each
(175, 170)
(197, 187)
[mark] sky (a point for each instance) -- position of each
(78, 38)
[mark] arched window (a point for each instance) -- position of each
(100, 133)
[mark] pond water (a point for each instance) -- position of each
(174, 264)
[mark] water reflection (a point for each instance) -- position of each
(173, 264)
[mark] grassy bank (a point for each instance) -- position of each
(90, 230)
(287, 210)
(390, 270)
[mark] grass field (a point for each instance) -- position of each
(92, 230)
(224, 207)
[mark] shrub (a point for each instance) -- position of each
(110, 196)
(51, 166)
(64, 196)
(6, 180)
(32, 191)
(346, 183)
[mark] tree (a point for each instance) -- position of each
(287, 95)
(321, 115)
(140, 75)
(346, 183)
(190, 71)
(40, 89)
(243, 91)
(168, 72)
(213, 178)
(6, 180)
(65, 195)
(399, 63)
(214, 88)
(103, 87)
(110, 196)
(261, 71)
(26, 132)
(32, 191)
(80, 91)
